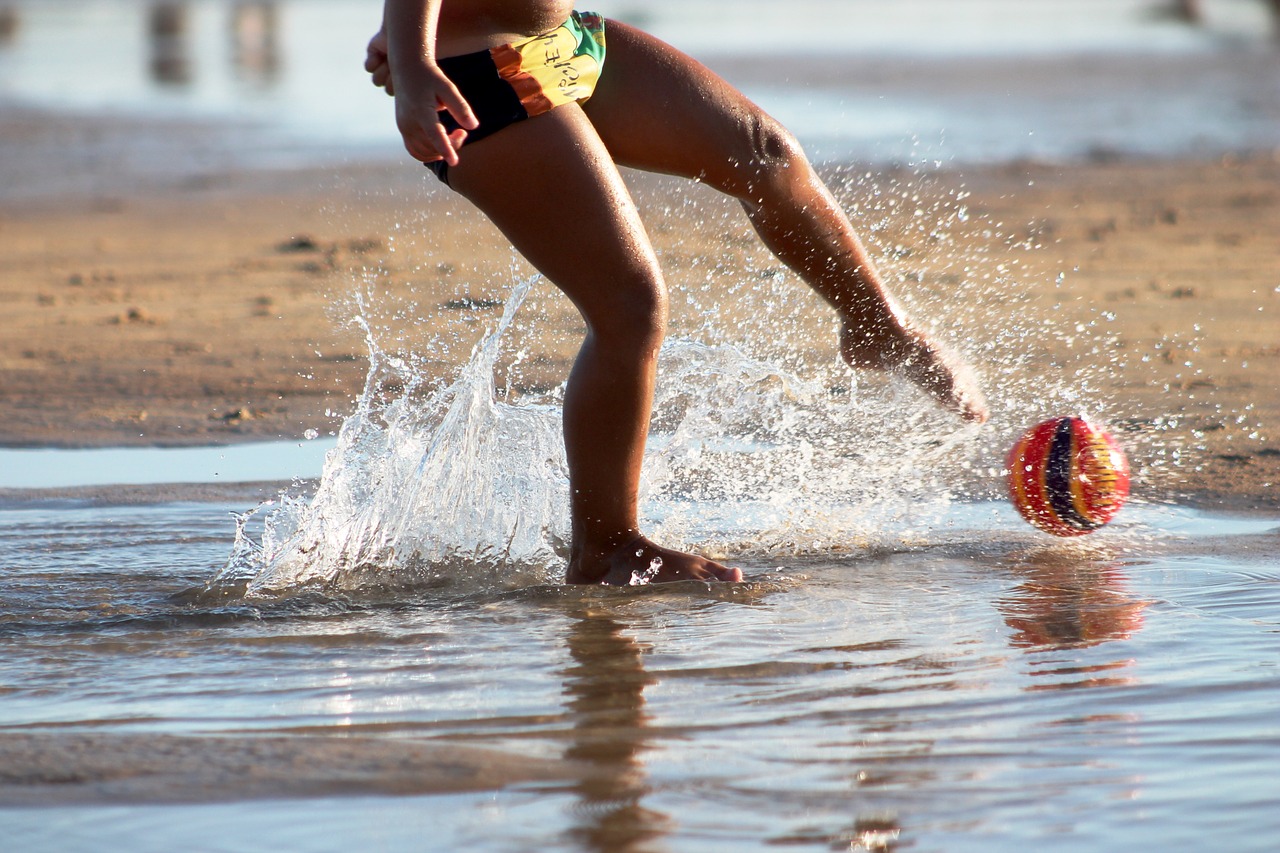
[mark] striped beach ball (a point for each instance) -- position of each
(1067, 476)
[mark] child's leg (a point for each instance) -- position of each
(548, 183)
(660, 110)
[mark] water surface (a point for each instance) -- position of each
(268, 461)
(980, 688)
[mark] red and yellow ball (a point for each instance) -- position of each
(1067, 476)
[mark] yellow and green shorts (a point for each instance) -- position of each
(513, 82)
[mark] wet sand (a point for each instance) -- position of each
(212, 305)
(127, 768)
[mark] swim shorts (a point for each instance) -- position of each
(513, 82)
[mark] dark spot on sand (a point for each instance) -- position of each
(237, 416)
(468, 303)
(299, 243)
(134, 316)
(362, 246)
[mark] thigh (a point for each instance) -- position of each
(549, 184)
(659, 109)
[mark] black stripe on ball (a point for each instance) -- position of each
(1057, 479)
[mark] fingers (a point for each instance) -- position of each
(375, 53)
(451, 99)
(429, 147)
(433, 142)
(456, 138)
(375, 61)
(382, 77)
(424, 92)
(430, 139)
(449, 151)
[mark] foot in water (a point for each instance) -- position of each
(641, 562)
(907, 352)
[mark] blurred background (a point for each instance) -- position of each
(280, 83)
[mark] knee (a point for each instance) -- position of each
(630, 324)
(774, 146)
(774, 162)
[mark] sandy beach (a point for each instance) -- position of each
(217, 308)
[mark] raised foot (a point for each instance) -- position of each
(933, 368)
(641, 562)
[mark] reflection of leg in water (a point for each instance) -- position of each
(605, 686)
(167, 36)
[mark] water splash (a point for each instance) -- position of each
(762, 444)
(423, 485)
(457, 485)
(644, 578)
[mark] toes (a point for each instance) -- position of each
(729, 575)
(710, 571)
(700, 570)
(644, 563)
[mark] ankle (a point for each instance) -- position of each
(591, 561)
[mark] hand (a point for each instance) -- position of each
(375, 62)
(421, 96)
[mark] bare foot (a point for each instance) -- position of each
(641, 562)
(934, 369)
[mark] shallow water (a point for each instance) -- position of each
(266, 461)
(980, 688)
